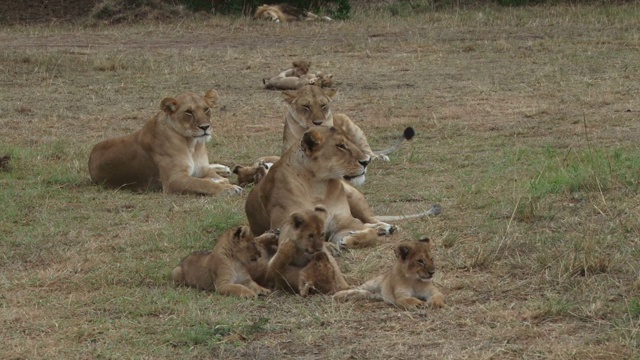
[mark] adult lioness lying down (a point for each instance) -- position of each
(168, 152)
(311, 173)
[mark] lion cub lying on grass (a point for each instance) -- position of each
(168, 152)
(302, 263)
(231, 267)
(297, 77)
(408, 284)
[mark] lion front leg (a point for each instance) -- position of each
(409, 302)
(349, 239)
(184, 183)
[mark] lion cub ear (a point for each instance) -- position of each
(169, 105)
(403, 250)
(298, 220)
(211, 97)
(311, 140)
(321, 211)
(241, 232)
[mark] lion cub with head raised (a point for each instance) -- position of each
(301, 262)
(408, 284)
(227, 268)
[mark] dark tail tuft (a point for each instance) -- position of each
(409, 133)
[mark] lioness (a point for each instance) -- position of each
(285, 13)
(310, 173)
(227, 268)
(310, 107)
(168, 152)
(297, 265)
(408, 284)
(293, 83)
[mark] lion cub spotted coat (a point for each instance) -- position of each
(408, 284)
(229, 267)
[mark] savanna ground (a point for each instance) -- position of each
(527, 127)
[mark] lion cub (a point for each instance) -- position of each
(408, 284)
(302, 262)
(228, 267)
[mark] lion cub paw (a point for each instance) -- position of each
(436, 301)
(232, 190)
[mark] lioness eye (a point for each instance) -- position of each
(207, 111)
(324, 107)
(189, 112)
(307, 107)
(421, 262)
(342, 146)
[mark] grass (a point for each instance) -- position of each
(527, 128)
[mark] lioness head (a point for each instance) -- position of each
(308, 227)
(243, 245)
(309, 105)
(190, 114)
(332, 156)
(415, 259)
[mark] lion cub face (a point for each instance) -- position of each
(340, 158)
(310, 104)
(242, 244)
(190, 114)
(415, 259)
(308, 227)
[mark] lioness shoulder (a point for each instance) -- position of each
(169, 152)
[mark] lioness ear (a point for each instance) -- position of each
(427, 241)
(289, 96)
(330, 92)
(402, 251)
(298, 220)
(169, 105)
(211, 97)
(310, 140)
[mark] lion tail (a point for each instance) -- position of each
(407, 134)
(435, 210)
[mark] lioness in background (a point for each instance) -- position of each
(168, 152)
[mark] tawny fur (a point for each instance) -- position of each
(301, 261)
(285, 13)
(408, 284)
(227, 268)
(169, 152)
(312, 172)
(253, 173)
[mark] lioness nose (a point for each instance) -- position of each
(364, 162)
(431, 272)
(204, 127)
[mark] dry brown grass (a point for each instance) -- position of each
(527, 129)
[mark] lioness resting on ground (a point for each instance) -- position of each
(285, 13)
(310, 107)
(408, 284)
(293, 83)
(227, 268)
(168, 152)
(297, 265)
(309, 173)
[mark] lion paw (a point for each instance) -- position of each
(436, 301)
(233, 190)
(222, 170)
